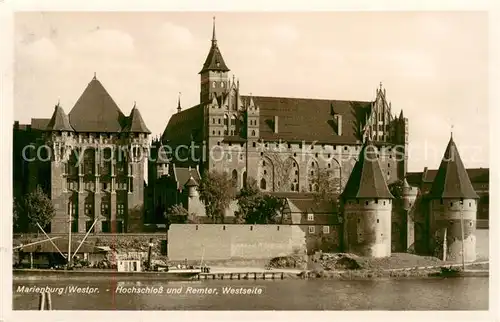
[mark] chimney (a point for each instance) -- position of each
(339, 124)
(275, 124)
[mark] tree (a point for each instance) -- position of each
(35, 207)
(256, 207)
(327, 188)
(396, 188)
(177, 214)
(216, 191)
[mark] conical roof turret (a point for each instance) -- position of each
(367, 180)
(59, 120)
(135, 123)
(452, 180)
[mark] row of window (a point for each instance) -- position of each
(105, 186)
(89, 209)
(105, 226)
(312, 229)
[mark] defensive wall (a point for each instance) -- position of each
(222, 242)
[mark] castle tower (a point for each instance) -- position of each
(214, 77)
(60, 135)
(409, 197)
(453, 210)
(192, 188)
(367, 207)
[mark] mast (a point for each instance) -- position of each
(462, 229)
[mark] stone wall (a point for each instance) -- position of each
(222, 242)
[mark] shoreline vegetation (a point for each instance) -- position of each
(321, 266)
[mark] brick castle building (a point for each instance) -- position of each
(89, 163)
(284, 143)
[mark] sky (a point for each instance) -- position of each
(433, 65)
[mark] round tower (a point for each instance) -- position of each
(409, 198)
(192, 187)
(453, 210)
(367, 208)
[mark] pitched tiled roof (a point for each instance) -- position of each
(310, 119)
(366, 180)
(95, 111)
(185, 126)
(183, 175)
(59, 121)
(135, 123)
(39, 124)
(476, 175)
(451, 179)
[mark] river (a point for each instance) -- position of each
(385, 294)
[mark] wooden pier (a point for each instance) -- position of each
(242, 276)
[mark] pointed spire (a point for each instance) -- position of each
(135, 123)
(452, 180)
(95, 76)
(214, 60)
(367, 180)
(59, 120)
(179, 103)
(214, 39)
(451, 134)
(401, 116)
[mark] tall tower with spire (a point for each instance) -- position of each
(453, 210)
(367, 207)
(214, 77)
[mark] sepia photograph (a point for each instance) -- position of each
(250, 161)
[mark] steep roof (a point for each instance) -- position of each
(214, 61)
(135, 123)
(476, 175)
(59, 120)
(185, 126)
(366, 180)
(39, 124)
(191, 183)
(451, 179)
(96, 111)
(310, 119)
(183, 175)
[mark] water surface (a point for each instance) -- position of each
(388, 294)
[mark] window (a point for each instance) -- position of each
(310, 217)
(253, 133)
(120, 209)
(105, 209)
(88, 224)
(254, 144)
(88, 208)
(72, 208)
(311, 229)
(214, 84)
(326, 229)
(263, 184)
(213, 121)
(225, 120)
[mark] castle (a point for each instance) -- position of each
(284, 143)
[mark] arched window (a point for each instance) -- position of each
(244, 178)
(233, 120)
(225, 119)
(253, 133)
(214, 84)
(263, 184)
(234, 177)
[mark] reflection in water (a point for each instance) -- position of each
(390, 294)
